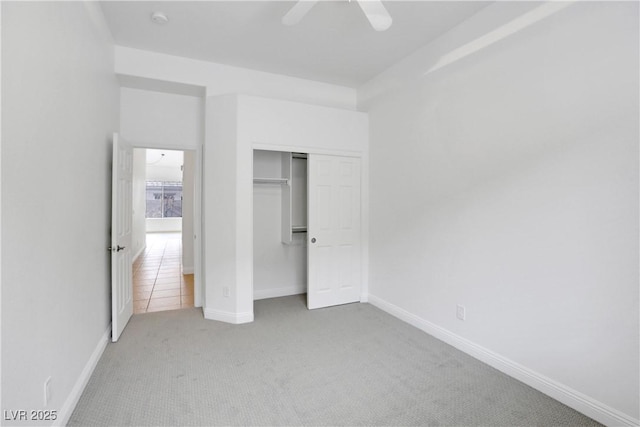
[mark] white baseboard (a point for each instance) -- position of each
(279, 292)
(570, 397)
(187, 270)
(72, 400)
(227, 316)
(135, 257)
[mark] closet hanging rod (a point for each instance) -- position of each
(270, 181)
(299, 156)
(299, 229)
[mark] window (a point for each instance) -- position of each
(164, 199)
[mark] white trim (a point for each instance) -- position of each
(72, 400)
(228, 317)
(198, 240)
(135, 257)
(279, 292)
(364, 226)
(570, 397)
(187, 270)
(307, 150)
(163, 225)
(161, 146)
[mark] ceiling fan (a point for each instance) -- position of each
(374, 10)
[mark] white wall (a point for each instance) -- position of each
(278, 269)
(236, 124)
(507, 181)
(138, 237)
(222, 79)
(219, 212)
(161, 120)
(163, 225)
(59, 110)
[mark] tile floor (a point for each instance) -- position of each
(158, 282)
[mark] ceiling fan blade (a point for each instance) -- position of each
(376, 13)
(298, 11)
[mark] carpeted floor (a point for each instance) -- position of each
(346, 365)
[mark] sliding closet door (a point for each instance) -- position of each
(334, 247)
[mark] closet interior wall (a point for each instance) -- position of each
(279, 266)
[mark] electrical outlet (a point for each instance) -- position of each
(225, 291)
(461, 312)
(47, 391)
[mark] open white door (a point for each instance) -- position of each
(334, 247)
(121, 227)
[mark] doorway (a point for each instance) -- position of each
(163, 229)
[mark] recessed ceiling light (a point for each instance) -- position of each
(159, 18)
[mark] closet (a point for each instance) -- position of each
(247, 257)
(279, 223)
(307, 227)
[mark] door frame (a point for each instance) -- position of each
(364, 200)
(198, 247)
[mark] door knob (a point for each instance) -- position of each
(313, 240)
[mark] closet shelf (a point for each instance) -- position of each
(270, 181)
(299, 229)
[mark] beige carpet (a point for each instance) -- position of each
(346, 365)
